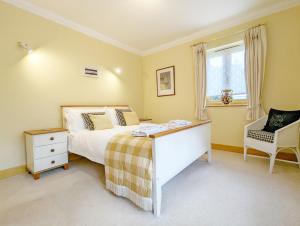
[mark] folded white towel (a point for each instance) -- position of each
(178, 123)
(146, 130)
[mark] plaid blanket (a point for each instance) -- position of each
(128, 168)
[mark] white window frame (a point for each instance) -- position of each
(218, 103)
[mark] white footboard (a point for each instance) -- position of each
(173, 151)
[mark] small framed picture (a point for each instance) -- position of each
(165, 81)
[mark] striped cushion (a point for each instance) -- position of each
(87, 121)
(261, 135)
(120, 116)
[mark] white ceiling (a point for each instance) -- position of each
(143, 26)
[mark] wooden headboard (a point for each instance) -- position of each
(63, 107)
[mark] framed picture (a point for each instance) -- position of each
(165, 81)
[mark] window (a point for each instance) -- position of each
(226, 70)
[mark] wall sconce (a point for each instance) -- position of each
(25, 46)
(118, 70)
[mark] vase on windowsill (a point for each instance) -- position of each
(226, 96)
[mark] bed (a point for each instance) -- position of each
(178, 147)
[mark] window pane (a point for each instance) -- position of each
(215, 82)
(225, 70)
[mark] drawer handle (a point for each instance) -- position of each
(52, 150)
(51, 138)
(52, 162)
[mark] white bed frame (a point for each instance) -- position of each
(172, 151)
(178, 149)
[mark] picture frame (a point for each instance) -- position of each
(165, 81)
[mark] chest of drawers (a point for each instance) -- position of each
(45, 150)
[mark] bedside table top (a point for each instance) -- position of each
(145, 119)
(45, 131)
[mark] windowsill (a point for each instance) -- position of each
(233, 104)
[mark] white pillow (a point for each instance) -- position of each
(74, 120)
(111, 113)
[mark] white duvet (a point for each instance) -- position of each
(92, 144)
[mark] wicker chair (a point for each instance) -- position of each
(272, 143)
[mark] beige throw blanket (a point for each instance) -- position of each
(128, 168)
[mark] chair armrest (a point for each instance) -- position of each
(289, 126)
(288, 135)
(257, 125)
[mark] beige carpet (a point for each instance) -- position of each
(227, 192)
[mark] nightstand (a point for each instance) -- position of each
(46, 149)
(145, 120)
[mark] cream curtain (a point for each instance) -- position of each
(255, 59)
(200, 80)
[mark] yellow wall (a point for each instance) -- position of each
(32, 87)
(281, 86)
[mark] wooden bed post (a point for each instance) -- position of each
(209, 155)
(156, 197)
(209, 152)
(156, 185)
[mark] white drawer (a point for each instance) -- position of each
(49, 150)
(50, 138)
(50, 162)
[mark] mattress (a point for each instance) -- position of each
(92, 144)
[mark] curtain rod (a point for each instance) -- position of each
(225, 36)
(227, 48)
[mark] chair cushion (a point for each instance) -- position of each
(278, 119)
(261, 135)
